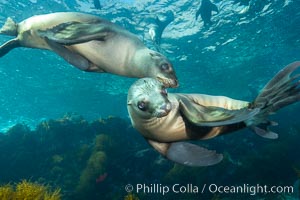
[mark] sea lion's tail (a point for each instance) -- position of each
(10, 27)
(282, 90)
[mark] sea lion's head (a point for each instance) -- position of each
(156, 65)
(147, 98)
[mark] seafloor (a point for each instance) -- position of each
(96, 160)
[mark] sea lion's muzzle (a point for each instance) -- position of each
(175, 83)
(169, 83)
(164, 110)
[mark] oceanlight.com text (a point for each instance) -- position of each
(250, 189)
(211, 188)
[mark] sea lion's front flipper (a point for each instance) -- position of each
(76, 32)
(9, 45)
(192, 155)
(71, 57)
(264, 132)
(187, 154)
(213, 116)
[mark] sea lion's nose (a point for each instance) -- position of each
(176, 83)
(166, 107)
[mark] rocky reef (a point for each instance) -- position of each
(28, 190)
(97, 159)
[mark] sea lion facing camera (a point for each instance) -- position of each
(166, 120)
(91, 44)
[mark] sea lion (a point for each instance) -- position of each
(205, 11)
(97, 4)
(91, 44)
(165, 120)
(156, 30)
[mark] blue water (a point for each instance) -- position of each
(246, 49)
(247, 43)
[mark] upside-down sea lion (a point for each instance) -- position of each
(91, 44)
(97, 4)
(157, 29)
(166, 120)
(205, 11)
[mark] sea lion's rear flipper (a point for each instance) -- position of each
(187, 154)
(282, 90)
(213, 7)
(77, 32)
(213, 116)
(10, 27)
(71, 57)
(9, 45)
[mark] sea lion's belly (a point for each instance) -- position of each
(113, 55)
(170, 128)
(174, 127)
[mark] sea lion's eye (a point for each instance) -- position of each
(165, 66)
(142, 105)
